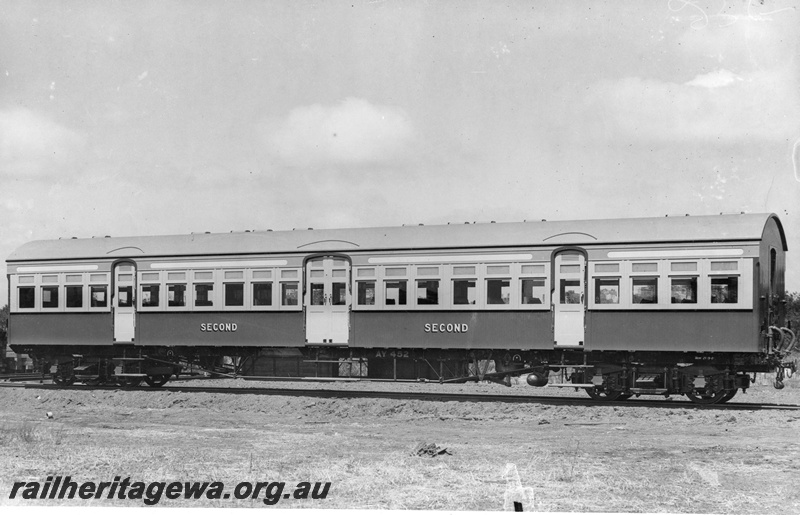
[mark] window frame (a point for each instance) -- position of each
(251, 281)
(93, 282)
(683, 277)
(83, 288)
(186, 306)
(520, 274)
(414, 276)
(16, 298)
(197, 278)
(224, 294)
(299, 299)
(385, 289)
(415, 296)
(149, 282)
(55, 286)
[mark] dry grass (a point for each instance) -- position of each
(587, 459)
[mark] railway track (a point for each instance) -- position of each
(648, 402)
(20, 377)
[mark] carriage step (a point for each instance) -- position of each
(649, 391)
(344, 361)
(570, 385)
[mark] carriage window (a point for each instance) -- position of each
(498, 269)
(717, 266)
(289, 294)
(176, 294)
(125, 296)
(395, 272)
(234, 293)
(288, 274)
(203, 295)
(366, 292)
(317, 294)
(724, 290)
(600, 268)
(464, 291)
(262, 294)
(49, 296)
(150, 293)
(262, 274)
(684, 290)
(427, 293)
(532, 269)
(366, 272)
(428, 270)
(498, 291)
(773, 263)
(686, 267)
(645, 290)
(463, 270)
(533, 291)
(645, 267)
(98, 296)
(571, 291)
(606, 290)
(395, 293)
(74, 296)
(339, 293)
(26, 297)
(150, 276)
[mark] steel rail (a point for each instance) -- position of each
(427, 396)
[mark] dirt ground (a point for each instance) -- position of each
(619, 458)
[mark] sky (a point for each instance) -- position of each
(136, 118)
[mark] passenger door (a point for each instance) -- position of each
(328, 300)
(124, 303)
(569, 299)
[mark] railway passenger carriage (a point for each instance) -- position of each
(673, 305)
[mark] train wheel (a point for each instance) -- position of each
(602, 395)
(129, 382)
(63, 380)
(706, 398)
(156, 381)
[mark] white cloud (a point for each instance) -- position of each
(31, 144)
(353, 132)
(722, 106)
(715, 79)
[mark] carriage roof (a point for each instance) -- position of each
(680, 229)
